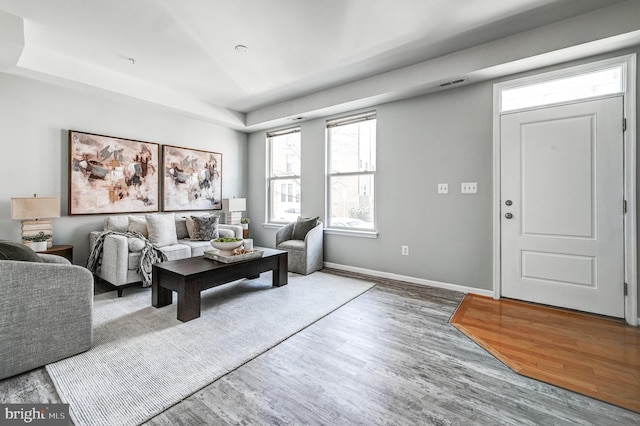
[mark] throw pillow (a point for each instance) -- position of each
(181, 228)
(189, 222)
(162, 229)
(116, 223)
(16, 251)
(205, 228)
(135, 244)
(138, 224)
(302, 226)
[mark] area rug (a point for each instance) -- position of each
(589, 354)
(144, 360)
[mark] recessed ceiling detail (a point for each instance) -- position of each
(304, 61)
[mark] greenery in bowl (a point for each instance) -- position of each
(226, 245)
(245, 220)
(38, 238)
(226, 240)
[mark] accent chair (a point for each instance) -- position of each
(304, 242)
(45, 312)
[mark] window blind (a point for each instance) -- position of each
(343, 121)
(283, 132)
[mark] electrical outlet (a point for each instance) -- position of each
(469, 187)
(405, 250)
(443, 188)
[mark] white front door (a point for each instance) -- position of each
(562, 230)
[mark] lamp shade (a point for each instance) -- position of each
(35, 208)
(234, 204)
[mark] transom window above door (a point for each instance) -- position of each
(584, 85)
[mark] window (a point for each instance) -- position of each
(580, 86)
(351, 143)
(284, 175)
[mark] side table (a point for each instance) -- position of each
(64, 250)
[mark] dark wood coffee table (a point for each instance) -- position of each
(188, 277)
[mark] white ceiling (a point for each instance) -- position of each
(296, 47)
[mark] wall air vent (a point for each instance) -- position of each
(453, 82)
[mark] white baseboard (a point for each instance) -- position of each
(413, 280)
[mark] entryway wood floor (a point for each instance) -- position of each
(388, 357)
(589, 354)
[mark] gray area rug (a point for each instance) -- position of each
(144, 360)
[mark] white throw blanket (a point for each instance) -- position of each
(149, 255)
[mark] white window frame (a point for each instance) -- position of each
(560, 75)
(274, 180)
(628, 63)
(343, 120)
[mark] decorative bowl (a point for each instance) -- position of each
(226, 248)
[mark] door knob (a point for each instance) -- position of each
(508, 215)
(508, 202)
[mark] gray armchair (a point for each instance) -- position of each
(45, 312)
(305, 256)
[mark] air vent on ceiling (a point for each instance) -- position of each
(453, 82)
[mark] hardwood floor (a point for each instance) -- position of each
(589, 354)
(388, 357)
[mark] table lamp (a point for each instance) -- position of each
(233, 208)
(31, 211)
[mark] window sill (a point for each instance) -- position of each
(274, 225)
(350, 233)
(330, 231)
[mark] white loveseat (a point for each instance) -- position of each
(121, 255)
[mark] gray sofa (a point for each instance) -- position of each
(46, 312)
(120, 260)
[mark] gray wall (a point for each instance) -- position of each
(445, 137)
(35, 118)
(441, 138)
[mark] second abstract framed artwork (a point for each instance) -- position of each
(192, 179)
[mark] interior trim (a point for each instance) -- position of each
(413, 280)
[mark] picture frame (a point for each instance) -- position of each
(110, 175)
(192, 179)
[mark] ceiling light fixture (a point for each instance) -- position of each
(241, 48)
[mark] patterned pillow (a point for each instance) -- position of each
(189, 222)
(204, 228)
(304, 225)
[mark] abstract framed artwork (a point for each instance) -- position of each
(192, 179)
(112, 175)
